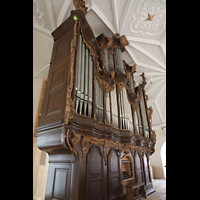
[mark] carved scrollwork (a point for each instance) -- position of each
(80, 5)
(75, 140)
(70, 108)
(106, 144)
(143, 78)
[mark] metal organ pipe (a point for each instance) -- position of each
(84, 89)
(84, 74)
(119, 61)
(114, 108)
(99, 102)
(144, 116)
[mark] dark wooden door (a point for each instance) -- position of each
(138, 168)
(94, 177)
(114, 176)
(146, 170)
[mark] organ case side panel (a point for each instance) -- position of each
(53, 108)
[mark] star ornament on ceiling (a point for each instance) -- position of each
(150, 17)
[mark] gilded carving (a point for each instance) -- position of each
(120, 86)
(150, 112)
(123, 41)
(110, 42)
(74, 141)
(92, 53)
(143, 78)
(80, 5)
(70, 109)
(105, 143)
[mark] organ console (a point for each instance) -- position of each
(95, 123)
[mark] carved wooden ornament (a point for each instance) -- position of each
(106, 144)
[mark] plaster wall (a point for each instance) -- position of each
(155, 159)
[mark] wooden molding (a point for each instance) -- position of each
(72, 139)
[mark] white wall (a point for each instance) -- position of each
(155, 159)
(42, 49)
(163, 157)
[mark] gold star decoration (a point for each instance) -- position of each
(150, 17)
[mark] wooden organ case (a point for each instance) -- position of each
(95, 124)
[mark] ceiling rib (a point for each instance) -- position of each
(51, 13)
(147, 54)
(115, 14)
(159, 69)
(155, 85)
(125, 15)
(103, 18)
(160, 92)
(64, 9)
(143, 40)
(159, 112)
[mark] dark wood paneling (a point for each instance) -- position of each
(53, 108)
(55, 92)
(61, 177)
(146, 170)
(94, 175)
(63, 45)
(59, 182)
(114, 178)
(138, 168)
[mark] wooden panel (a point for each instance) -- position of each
(114, 180)
(146, 170)
(138, 169)
(94, 175)
(55, 91)
(60, 180)
(58, 77)
(55, 102)
(63, 45)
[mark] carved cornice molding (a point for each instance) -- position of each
(87, 141)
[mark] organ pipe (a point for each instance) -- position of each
(131, 119)
(84, 74)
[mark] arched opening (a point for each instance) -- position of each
(127, 167)
(163, 157)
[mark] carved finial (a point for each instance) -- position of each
(80, 5)
(110, 42)
(133, 68)
(143, 78)
(153, 135)
(150, 112)
(124, 42)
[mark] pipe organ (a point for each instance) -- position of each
(94, 118)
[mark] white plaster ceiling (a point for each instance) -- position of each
(147, 39)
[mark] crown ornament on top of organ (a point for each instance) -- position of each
(80, 5)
